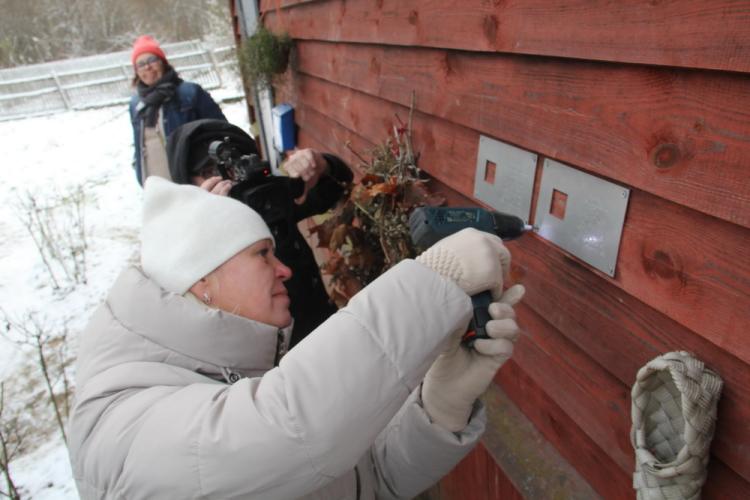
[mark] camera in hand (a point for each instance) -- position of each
(269, 195)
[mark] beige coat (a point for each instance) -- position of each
(179, 401)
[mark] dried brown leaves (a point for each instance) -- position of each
(369, 232)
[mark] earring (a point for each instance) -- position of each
(206, 298)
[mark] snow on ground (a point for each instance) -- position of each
(51, 154)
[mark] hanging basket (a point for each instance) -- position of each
(674, 402)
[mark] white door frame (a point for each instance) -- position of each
(262, 99)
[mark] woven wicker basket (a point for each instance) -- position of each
(674, 412)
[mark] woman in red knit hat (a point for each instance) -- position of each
(163, 102)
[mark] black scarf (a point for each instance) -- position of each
(153, 96)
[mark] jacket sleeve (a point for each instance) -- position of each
(206, 107)
(328, 191)
(413, 453)
(309, 420)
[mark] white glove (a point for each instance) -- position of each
(461, 374)
(476, 261)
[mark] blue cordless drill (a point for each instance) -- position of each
(428, 225)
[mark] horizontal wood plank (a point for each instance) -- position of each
(583, 389)
(534, 466)
(374, 119)
(317, 131)
(682, 135)
(685, 33)
(476, 477)
(661, 241)
(706, 254)
(723, 483)
(605, 476)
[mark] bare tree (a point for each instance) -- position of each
(31, 332)
(58, 228)
(11, 442)
(46, 30)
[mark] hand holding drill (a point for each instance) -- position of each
(429, 225)
(469, 363)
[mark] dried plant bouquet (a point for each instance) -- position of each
(369, 231)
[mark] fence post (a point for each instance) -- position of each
(125, 71)
(60, 89)
(214, 64)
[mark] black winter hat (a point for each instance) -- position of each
(187, 145)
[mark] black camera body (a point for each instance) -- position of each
(269, 195)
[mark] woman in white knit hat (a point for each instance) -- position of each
(184, 389)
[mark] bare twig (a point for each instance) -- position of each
(11, 440)
(32, 333)
(379, 209)
(355, 152)
(409, 151)
(58, 231)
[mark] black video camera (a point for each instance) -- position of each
(269, 195)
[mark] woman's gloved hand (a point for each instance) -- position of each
(461, 374)
(476, 261)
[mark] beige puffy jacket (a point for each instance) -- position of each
(178, 401)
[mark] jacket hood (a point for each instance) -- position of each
(188, 141)
(180, 331)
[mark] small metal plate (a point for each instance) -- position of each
(582, 214)
(504, 177)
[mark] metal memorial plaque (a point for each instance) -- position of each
(582, 214)
(504, 177)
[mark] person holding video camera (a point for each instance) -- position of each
(163, 101)
(185, 388)
(316, 182)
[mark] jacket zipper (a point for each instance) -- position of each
(359, 486)
(279, 345)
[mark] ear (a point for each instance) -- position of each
(199, 288)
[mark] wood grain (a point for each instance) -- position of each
(591, 396)
(476, 477)
(622, 334)
(709, 258)
(682, 33)
(682, 135)
(582, 453)
(564, 433)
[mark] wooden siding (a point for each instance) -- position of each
(709, 34)
(649, 94)
(478, 478)
(679, 134)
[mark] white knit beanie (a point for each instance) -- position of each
(188, 232)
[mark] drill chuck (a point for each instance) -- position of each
(428, 225)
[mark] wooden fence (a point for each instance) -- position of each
(101, 80)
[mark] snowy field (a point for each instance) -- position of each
(54, 154)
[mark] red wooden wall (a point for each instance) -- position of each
(651, 94)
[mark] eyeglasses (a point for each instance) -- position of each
(146, 62)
